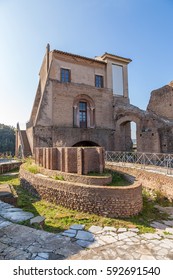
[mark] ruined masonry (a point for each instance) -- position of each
(82, 101)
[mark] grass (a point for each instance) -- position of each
(32, 167)
(117, 178)
(97, 174)
(148, 214)
(58, 177)
(59, 218)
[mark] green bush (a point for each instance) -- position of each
(33, 169)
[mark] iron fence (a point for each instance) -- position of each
(159, 162)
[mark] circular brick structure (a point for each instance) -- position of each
(7, 165)
(101, 200)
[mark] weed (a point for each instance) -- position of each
(118, 179)
(58, 177)
(31, 166)
(167, 233)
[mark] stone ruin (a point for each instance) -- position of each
(66, 179)
(78, 103)
(81, 160)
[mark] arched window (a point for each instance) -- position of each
(83, 112)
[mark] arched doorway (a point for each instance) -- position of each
(86, 144)
(134, 135)
(127, 134)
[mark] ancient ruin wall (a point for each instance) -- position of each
(101, 200)
(152, 181)
(5, 167)
(161, 102)
(80, 160)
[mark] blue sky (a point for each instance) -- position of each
(136, 29)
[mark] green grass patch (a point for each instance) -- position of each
(97, 174)
(147, 215)
(117, 178)
(32, 168)
(58, 177)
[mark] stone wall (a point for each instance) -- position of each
(82, 179)
(151, 181)
(80, 160)
(161, 101)
(67, 136)
(101, 200)
(5, 167)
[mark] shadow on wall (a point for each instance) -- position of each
(86, 144)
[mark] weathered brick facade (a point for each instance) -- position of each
(5, 167)
(81, 160)
(82, 101)
(57, 117)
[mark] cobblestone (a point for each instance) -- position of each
(18, 242)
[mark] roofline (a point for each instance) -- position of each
(116, 57)
(78, 56)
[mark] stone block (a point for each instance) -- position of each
(38, 220)
(77, 227)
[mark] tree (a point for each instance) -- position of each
(7, 139)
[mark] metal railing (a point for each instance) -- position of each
(153, 161)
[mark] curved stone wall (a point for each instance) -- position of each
(8, 166)
(101, 200)
(75, 178)
(151, 181)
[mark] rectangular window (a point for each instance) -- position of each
(117, 78)
(65, 75)
(98, 81)
(83, 114)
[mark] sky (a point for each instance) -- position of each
(136, 29)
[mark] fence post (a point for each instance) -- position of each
(168, 165)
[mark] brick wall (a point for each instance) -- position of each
(102, 200)
(71, 160)
(151, 181)
(5, 167)
(83, 179)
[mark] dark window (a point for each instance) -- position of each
(99, 81)
(65, 75)
(83, 114)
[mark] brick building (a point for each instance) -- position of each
(75, 100)
(82, 101)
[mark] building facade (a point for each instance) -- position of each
(75, 100)
(83, 101)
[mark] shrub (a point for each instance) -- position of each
(33, 169)
(58, 177)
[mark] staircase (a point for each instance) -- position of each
(22, 145)
(26, 146)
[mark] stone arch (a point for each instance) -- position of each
(90, 110)
(123, 141)
(147, 135)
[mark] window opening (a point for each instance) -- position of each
(99, 81)
(83, 114)
(65, 75)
